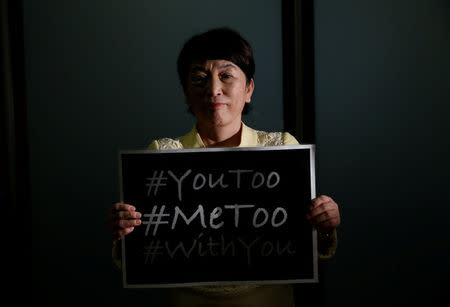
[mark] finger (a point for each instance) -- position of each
(316, 202)
(124, 215)
(122, 207)
(323, 217)
(114, 213)
(323, 207)
(128, 223)
(331, 215)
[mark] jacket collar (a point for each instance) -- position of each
(249, 138)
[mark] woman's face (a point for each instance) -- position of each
(217, 91)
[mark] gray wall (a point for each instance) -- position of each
(101, 76)
(383, 136)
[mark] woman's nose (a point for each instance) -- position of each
(214, 86)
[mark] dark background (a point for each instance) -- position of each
(382, 75)
(100, 76)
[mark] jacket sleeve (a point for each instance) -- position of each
(117, 254)
(289, 139)
(327, 245)
(153, 145)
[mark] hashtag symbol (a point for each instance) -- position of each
(151, 219)
(152, 251)
(155, 182)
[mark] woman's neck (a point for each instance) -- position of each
(229, 136)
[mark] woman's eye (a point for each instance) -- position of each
(198, 78)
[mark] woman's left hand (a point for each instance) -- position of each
(324, 214)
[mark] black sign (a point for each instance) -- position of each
(219, 216)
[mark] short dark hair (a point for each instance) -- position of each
(217, 44)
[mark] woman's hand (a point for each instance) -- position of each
(122, 218)
(324, 214)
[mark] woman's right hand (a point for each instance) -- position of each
(122, 218)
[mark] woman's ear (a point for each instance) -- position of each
(249, 90)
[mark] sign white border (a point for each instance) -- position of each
(315, 279)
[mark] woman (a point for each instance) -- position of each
(216, 72)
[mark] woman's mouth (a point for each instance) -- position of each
(218, 104)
